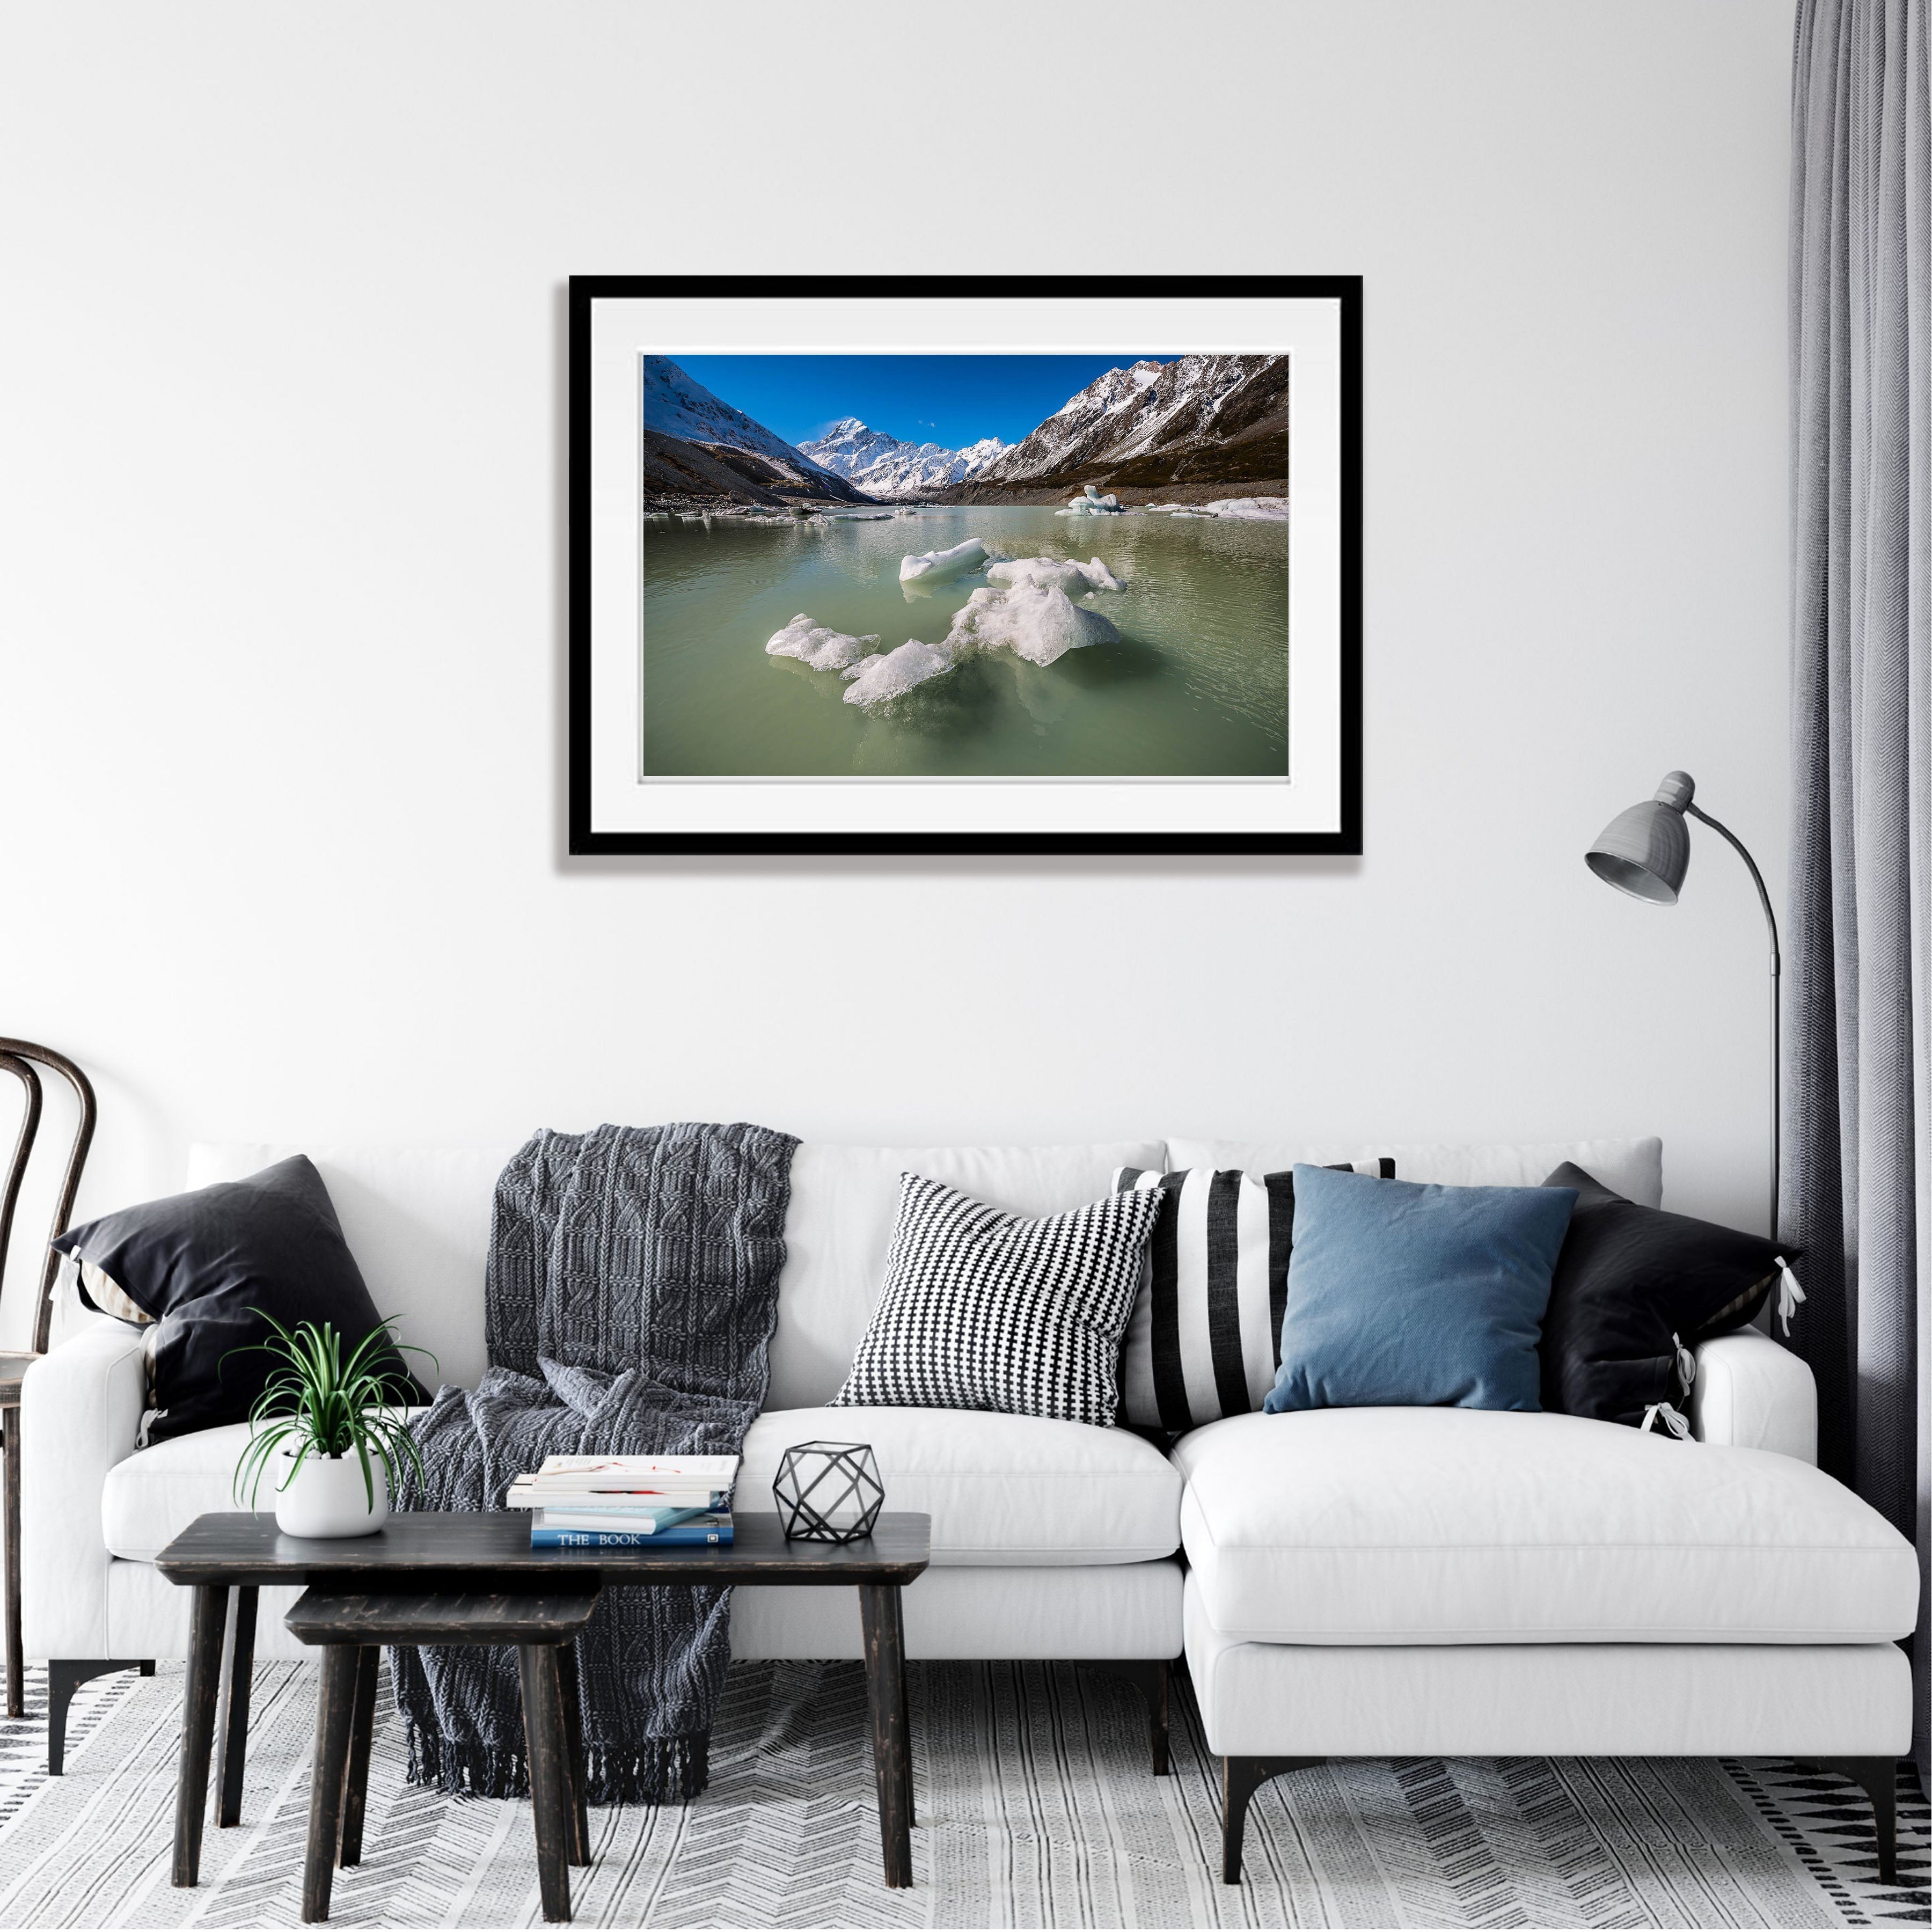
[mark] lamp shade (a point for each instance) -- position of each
(1646, 850)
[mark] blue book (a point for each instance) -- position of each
(683, 1533)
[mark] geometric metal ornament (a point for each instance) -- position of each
(828, 1491)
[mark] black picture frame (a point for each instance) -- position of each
(585, 840)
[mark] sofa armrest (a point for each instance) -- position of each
(80, 1414)
(1752, 1393)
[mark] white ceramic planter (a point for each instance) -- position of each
(326, 1496)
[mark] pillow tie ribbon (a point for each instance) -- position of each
(1687, 1365)
(1789, 1295)
(1674, 1422)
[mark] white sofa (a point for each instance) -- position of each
(1367, 1582)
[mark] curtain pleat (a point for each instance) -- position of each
(1858, 1130)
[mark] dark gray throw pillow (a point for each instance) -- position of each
(1635, 1286)
(207, 1265)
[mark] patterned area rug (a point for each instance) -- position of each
(1035, 1808)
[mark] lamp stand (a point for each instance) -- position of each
(1776, 992)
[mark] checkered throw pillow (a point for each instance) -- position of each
(984, 1309)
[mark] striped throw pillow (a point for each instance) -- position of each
(1203, 1338)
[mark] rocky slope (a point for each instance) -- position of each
(696, 447)
(883, 466)
(1199, 421)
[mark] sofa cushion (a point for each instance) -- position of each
(1005, 1312)
(1454, 1526)
(1204, 1336)
(1635, 1291)
(152, 1495)
(1403, 1291)
(417, 1220)
(1001, 1490)
(1634, 1167)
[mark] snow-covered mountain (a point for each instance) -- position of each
(883, 466)
(680, 411)
(1198, 418)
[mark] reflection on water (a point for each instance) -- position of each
(1197, 687)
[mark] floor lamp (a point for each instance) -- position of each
(1645, 851)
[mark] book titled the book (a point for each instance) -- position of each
(678, 1535)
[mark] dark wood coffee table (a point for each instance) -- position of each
(489, 1551)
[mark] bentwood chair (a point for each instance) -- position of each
(21, 1058)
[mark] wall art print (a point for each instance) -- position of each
(973, 566)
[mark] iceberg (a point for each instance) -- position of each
(1242, 509)
(1074, 577)
(938, 564)
(1251, 509)
(1037, 622)
(1092, 504)
(893, 674)
(812, 644)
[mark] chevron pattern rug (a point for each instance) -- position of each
(1035, 1807)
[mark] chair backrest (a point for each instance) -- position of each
(21, 1058)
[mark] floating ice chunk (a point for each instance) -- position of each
(1250, 509)
(812, 644)
(1033, 621)
(936, 565)
(893, 674)
(1091, 503)
(1074, 577)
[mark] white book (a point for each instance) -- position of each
(635, 1472)
(615, 1502)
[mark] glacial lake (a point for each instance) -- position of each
(1197, 686)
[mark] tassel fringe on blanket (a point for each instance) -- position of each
(671, 1771)
(631, 1292)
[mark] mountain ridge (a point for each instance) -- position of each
(695, 445)
(885, 466)
(1200, 420)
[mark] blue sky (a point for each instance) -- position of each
(953, 400)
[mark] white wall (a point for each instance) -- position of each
(281, 604)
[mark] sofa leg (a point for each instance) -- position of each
(1878, 1778)
(65, 1675)
(1241, 1777)
(1152, 1681)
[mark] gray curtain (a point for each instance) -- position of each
(1857, 1139)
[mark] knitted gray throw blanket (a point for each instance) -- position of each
(632, 1288)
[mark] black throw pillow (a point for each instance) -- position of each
(201, 1263)
(1632, 1284)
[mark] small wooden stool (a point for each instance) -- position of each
(350, 1626)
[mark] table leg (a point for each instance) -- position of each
(355, 1773)
(549, 1793)
(885, 1693)
(16, 1663)
(334, 1713)
(231, 1730)
(206, 1632)
(573, 1750)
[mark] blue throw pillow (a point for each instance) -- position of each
(1402, 1295)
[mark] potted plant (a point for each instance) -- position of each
(327, 1430)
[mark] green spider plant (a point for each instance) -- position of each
(320, 1404)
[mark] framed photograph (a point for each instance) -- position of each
(973, 565)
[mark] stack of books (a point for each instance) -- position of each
(627, 1502)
